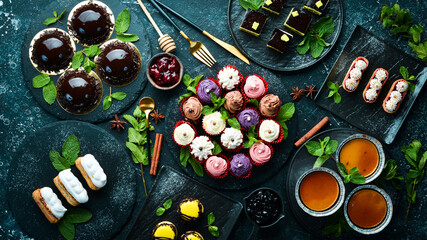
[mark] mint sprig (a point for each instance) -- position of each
(233, 122)
(391, 173)
(213, 230)
(253, 102)
(252, 137)
(285, 114)
(314, 40)
(70, 153)
(351, 176)
(72, 216)
(399, 20)
(166, 205)
(108, 100)
(191, 84)
(122, 25)
(336, 224)
(323, 150)
(334, 88)
(185, 158)
(54, 19)
(48, 87)
(83, 57)
(217, 148)
(217, 102)
(405, 75)
(252, 4)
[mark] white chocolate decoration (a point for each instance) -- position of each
(52, 201)
(402, 86)
(269, 130)
(228, 78)
(94, 170)
(360, 64)
(184, 134)
(231, 138)
(73, 186)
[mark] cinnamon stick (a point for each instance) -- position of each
(153, 157)
(158, 154)
(313, 131)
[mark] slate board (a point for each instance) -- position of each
(31, 169)
(371, 117)
(259, 174)
(132, 90)
(255, 48)
(302, 161)
(173, 185)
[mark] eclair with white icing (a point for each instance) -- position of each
(354, 74)
(395, 96)
(92, 172)
(71, 188)
(49, 203)
(375, 84)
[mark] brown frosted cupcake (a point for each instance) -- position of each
(235, 101)
(270, 105)
(191, 109)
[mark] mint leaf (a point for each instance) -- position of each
(41, 80)
(184, 155)
(137, 155)
(252, 4)
(71, 149)
(92, 51)
(132, 120)
(217, 148)
(253, 102)
(160, 211)
(404, 71)
(316, 48)
(314, 148)
(224, 114)
(197, 167)
(50, 21)
(286, 112)
(234, 123)
(211, 218)
(78, 215)
(137, 112)
(77, 60)
(88, 65)
(49, 93)
(119, 95)
(167, 204)
(62, 13)
(123, 21)
(66, 228)
(341, 168)
(320, 161)
(58, 162)
(126, 37)
(106, 104)
(213, 230)
(206, 110)
(324, 27)
(331, 147)
(358, 178)
(134, 136)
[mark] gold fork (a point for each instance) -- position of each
(197, 49)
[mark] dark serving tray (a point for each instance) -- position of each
(31, 169)
(171, 184)
(371, 117)
(255, 48)
(132, 90)
(302, 161)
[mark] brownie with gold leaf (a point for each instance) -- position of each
(316, 6)
(273, 6)
(253, 22)
(190, 209)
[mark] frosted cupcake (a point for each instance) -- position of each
(232, 139)
(234, 101)
(270, 131)
(213, 124)
(269, 106)
(216, 166)
(205, 88)
(248, 117)
(183, 133)
(201, 148)
(240, 166)
(191, 108)
(254, 86)
(260, 153)
(229, 78)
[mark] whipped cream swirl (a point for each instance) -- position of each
(228, 78)
(232, 138)
(213, 123)
(201, 147)
(184, 134)
(269, 130)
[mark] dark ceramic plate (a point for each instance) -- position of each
(371, 117)
(303, 161)
(173, 185)
(132, 90)
(259, 173)
(255, 48)
(31, 169)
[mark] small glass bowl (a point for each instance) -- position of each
(338, 203)
(379, 147)
(155, 57)
(386, 219)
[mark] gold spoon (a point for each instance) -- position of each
(146, 104)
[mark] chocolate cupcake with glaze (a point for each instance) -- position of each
(191, 109)
(119, 62)
(79, 92)
(270, 105)
(234, 102)
(51, 51)
(90, 22)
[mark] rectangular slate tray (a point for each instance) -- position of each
(371, 117)
(171, 184)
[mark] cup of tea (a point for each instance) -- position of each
(320, 192)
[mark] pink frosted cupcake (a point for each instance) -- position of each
(201, 148)
(260, 153)
(232, 139)
(254, 87)
(184, 133)
(229, 78)
(270, 131)
(216, 166)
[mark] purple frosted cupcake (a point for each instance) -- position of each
(240, 165)
(248, 117)
(205, 88)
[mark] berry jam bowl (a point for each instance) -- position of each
(264, 208)
(165, 71)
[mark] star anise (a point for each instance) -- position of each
(310, 90)
(116, 123)
(296, 93)
(156, 116)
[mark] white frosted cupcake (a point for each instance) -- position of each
(183, 133)
(229, 78)
(270, 131)
(232, 139)
(213, 124)
(201, 148)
